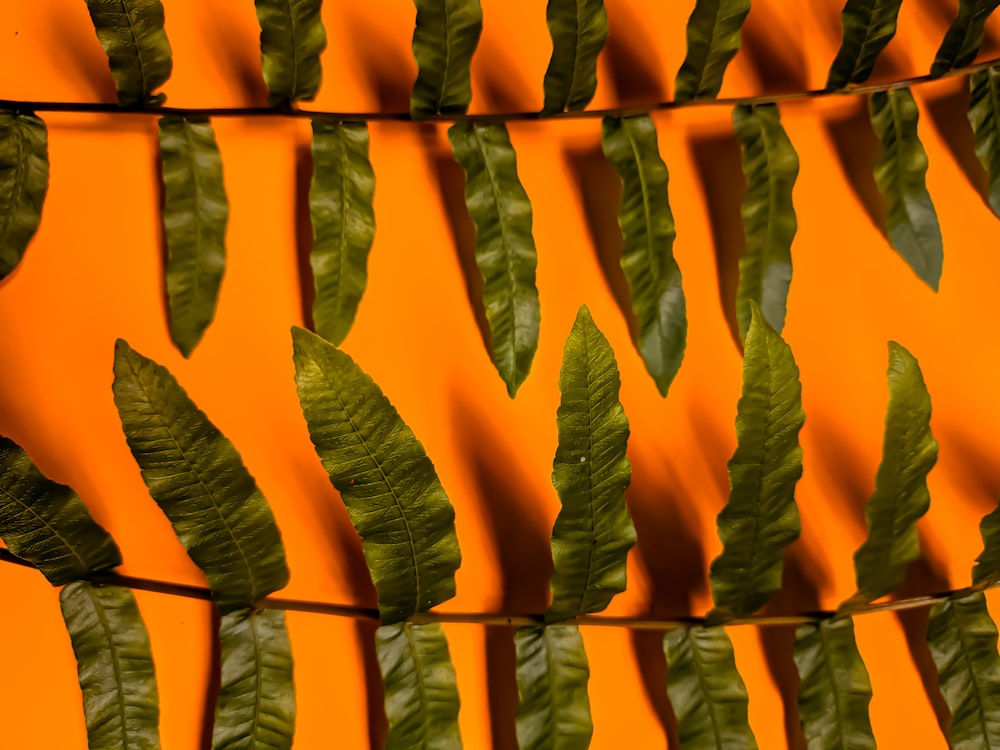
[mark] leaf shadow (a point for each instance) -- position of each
(381, 63)
(841, 469)
(161, 240)
(779, 62)
(304, 233)
(502, 88)
(214, 682)
(630, 58)
(81, 57)
(237, 60)
(978, 476)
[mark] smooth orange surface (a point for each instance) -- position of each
(94, 273)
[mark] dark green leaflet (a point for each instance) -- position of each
(713, 39)
(444, 40)
(579, 31)
(505, 247)
(984, 115)
(868, 26)
(912, 223)
(195, 216)
(771, 167)
(965, 36)
(199, 481)
(24, 181)
(291, 40)
(343, 222)
(647, 226)
(115, 665)
(392, 493)
(986, 571)
(133, 37)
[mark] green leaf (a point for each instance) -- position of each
(47, 523)
(647, 226)
(868, 26)
(706, 691)
(579, 31)
(963, 643)
(392, 493)
(771, 166)
(343, 221)
(552, 674)
(421, 692)
(505, 248)
(24, 181)
(909, 452)
(761, 518)
(984, 115)
(593, 531)
(834, 689)
(256, 704)
(199, 481)
(965, 36)
(913, 225)
(115, 665)
(195, 215)
(713, 39)
(444, 40)
(291, 40)
(986, 571)
(133, 37)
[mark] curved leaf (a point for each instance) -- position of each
(421, 693)
(771, 167)
(47, 523)
(343, 222)
(256, 704)
(647, 226)
(834, 689)
(197, 478)
(579, 31)
(761, 518)
(115, 665)
(24, 182)
(706, 691)
(291, 40)
(133, 37)
(195, 215)
(913, 225)
(505, 248)
(984, 115)
(392, 493)
(909, 452)
(713, 39)
(868, 26)
(552, 674)
(963, 643)
(965, 36)
(444, 40)
(593, 531)
(986, 571)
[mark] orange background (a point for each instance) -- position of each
(94, 273)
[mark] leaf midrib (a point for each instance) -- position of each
(112, 647)
(48, 526)
(970, 670)
(15, 198)
(138, 47)
(699, 669)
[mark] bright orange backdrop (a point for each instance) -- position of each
(94, 273)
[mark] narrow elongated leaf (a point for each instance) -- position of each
(984, 115)
(199, 481)
(392, 493)
(444, 40)
(505, 247)
(963, 643)
(706, 691)
(909, 452)
(965, 36)
(195, 216)
(115, 665)
(868, 26)
(24, 182)
(771, 167)
(133, 37)
(47, 523)
(761, 517)
(593, 531)
(834, 688)
(902, 164)
(552, 674)
(713, 39)
(292, 37)
(256, 704)
(421, 693)
(579, 31)
(647, 225)
(343, 222)
(986, 571)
